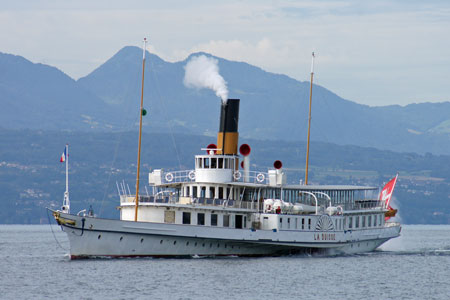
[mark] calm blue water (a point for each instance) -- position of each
(414, 266)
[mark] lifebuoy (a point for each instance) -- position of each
(169, 177)
(237, 175)
(191, 175)
(260, 177)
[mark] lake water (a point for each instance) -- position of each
(413, 266)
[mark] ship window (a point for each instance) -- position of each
(220, 193)
(309, 224)
(369, 221)
(169, 216)
(245, 222)
(213, 163)
(303, 223)
(296, 223)
(357, 222)
(289, 223)
(206, 164)
(194, 192)
(200, 219)
(350, 222)
(213, 219)
(212, 191)
(363, 221)
(199, 163)
(202, 191)
(238, 221)
(220, 163)
(186, 218)
(226, 220)
(374, 221)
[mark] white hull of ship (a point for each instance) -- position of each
(115, 238)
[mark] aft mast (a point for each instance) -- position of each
(309, 120)
(141, 113)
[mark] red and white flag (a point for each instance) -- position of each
(386, 192)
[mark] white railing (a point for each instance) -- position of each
(253, 177)
(238, 176)
(178, 176)
(172, 198)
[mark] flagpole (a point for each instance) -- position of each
(66, 201)
(67, 169)
(309, 121)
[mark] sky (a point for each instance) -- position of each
(370, 52)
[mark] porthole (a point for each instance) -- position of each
(187, 243)
(174, 242)
(218, 245)
(99, 236)
(121, 238)
(160, 241)
(195, 244)
(203, 245)
(142, 240)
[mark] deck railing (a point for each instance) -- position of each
(193, 201)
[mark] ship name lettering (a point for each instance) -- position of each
(325, 237)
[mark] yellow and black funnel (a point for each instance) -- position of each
(227, 138)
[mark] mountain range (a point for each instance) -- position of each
(273, 106)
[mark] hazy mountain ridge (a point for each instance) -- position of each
(278, 108)
(39, 96)
(273, 106)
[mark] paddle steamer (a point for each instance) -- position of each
(222, 207)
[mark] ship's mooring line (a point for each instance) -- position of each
(54, 236)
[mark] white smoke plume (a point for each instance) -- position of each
(203, 72)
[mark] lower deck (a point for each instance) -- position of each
(221, 217)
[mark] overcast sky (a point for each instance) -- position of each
(371, 52)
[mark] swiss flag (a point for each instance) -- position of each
(386, 192)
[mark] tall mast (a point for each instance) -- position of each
(309, 120)
(141, 112)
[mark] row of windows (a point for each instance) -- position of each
(339, 224)
(239, 221)
(214, 163)
(365, 221)
(294, 223)
(211, 192)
